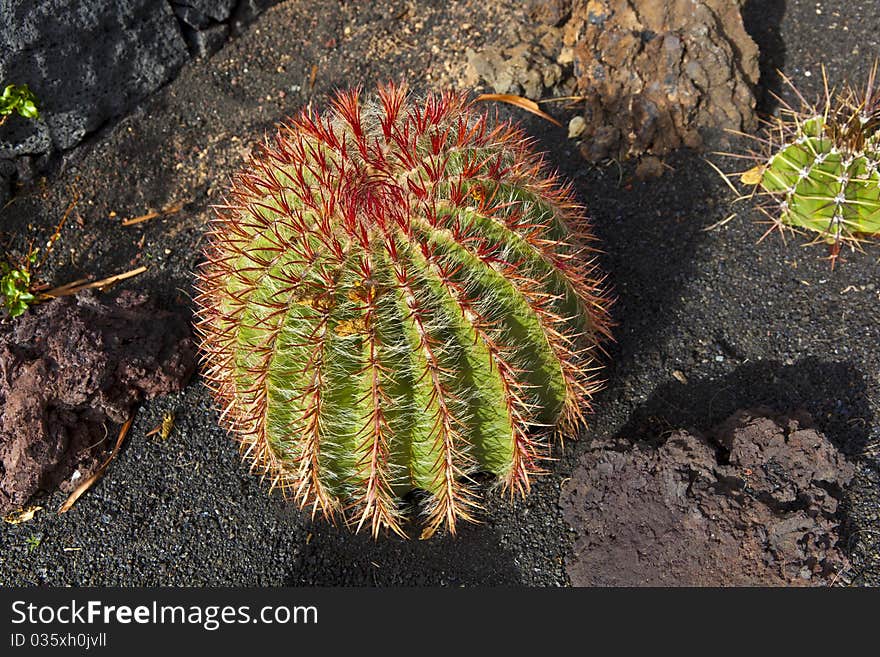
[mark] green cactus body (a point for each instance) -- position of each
(825, 189)
(819, 168)
(394, 298)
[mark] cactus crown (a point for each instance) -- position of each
(820, 167)
(395, 297)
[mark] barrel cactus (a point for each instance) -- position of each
(820, 166)
(396, 297)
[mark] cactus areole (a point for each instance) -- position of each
(395, 297)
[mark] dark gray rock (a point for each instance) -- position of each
(206, 41)
(89, 61)
(200, 14)
(207, 24)
(85, 61)
(246, 11)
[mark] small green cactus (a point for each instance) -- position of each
(396, 297)
(821, 167)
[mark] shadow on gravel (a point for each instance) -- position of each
(762, 19)
(649, 232)
(833, 393)
(336, 557)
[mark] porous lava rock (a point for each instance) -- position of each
(69, 370)
(658, 75)
(85, 61)
(529, 61)
(548, 12)
(199, 14)
(207, 24)
(753, 502)
(91, 61)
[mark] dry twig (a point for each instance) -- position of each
(97, 474)
(84, 284)
(168, 209)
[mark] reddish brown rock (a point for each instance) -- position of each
(548, 12)
(752, 503)
(69, 370)
(659, 75)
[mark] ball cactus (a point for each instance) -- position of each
(821, 166)
(395, 297)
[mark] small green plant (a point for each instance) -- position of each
(33, 542)
(819, 166)
(20, 99)
(15, 284)
(397, 296)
